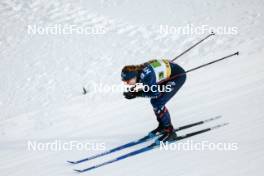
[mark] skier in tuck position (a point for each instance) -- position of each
(153, 74)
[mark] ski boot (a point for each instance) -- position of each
(168, 136)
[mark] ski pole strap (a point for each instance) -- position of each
(196, 68)
(193, 46)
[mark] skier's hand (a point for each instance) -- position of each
(129, 95)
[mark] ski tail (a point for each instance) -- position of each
(200, 131)
(150, 147)
(197, 123)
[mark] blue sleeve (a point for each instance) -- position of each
(148, 78)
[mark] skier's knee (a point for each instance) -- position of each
(160, 111)
(156, 103)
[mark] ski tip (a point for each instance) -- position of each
(212, 33)
(237, 53)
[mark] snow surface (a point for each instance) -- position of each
(42, 78)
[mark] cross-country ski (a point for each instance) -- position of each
(150, 147)
(141, 140)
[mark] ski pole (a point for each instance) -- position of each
(198, 67)
(209, 63)
(212, 33)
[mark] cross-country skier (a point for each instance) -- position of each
(152, 74)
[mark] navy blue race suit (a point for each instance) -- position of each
(161, 72)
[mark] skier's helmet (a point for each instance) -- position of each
(128, 73)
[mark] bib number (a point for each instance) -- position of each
(161, 68)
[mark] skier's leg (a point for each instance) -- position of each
(162, 115)
(159, 107)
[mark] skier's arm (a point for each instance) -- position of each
(132, 93)
(154, 93)
(141, 93)
(148, 79)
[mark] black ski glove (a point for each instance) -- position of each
(131, 95)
